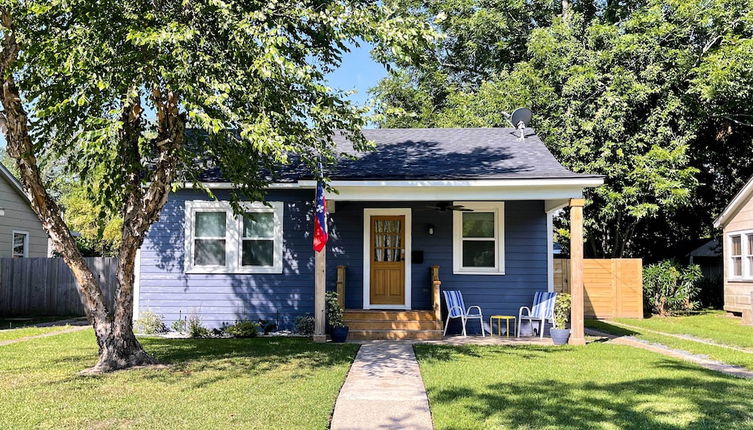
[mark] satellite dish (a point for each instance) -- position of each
(521, 115)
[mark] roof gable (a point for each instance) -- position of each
(737, 202)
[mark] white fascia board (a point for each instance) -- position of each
(735, 204)
(582, 182)
(454, 193)
(481, 189)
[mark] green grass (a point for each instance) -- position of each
(18, 333)
(725, 355)
(599, 386)
(712, 325)
(265, 383)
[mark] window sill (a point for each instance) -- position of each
(477, 272)
(740, 280)
(226, 271)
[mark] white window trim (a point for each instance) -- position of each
(367, 214)
(499, 236)
(745, 252)
(233, 236)
(26, 242)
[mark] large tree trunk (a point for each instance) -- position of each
(118, 346)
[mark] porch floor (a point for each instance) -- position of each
(470, 340)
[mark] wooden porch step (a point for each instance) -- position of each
(363, 324)
(359, 314)
(394, 334)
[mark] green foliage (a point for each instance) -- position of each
(150, 323)
(304, 324)
(334, 311)
(243, 329)
(195, 327)
(562, 305)
(249, 79)
(655, 95)
(669, 289)
(180, 325)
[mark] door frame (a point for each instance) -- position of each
(367, 214)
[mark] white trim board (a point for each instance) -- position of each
(367, 214)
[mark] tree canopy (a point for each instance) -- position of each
(655, 95)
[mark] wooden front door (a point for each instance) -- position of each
(387, 260)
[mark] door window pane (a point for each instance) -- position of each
(210, 224)
(261, 224)
(209, 252)
(258, 252)
(478, 224)
(478, 253)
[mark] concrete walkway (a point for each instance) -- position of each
(383, 390)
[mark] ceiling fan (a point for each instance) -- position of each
(447, 206)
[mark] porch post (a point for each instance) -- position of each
(577, 335)
(320, 264)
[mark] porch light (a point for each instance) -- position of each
(430, 229)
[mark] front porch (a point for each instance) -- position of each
(389, 279)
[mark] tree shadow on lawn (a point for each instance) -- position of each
(230, 358)
(719, 400)
(207, 361)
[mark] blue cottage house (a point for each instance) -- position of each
(428, 209)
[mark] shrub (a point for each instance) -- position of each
(304, 324)
(562, 310)
(267, 326)
(670, 289)
(243, 328)
(334, 311)
(179, 325)
(150, 323)
(195, 329)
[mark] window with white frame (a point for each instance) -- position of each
(20, 244)
(217, 241)
(740, 255)
(478, 238)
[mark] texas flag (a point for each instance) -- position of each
(320, 219)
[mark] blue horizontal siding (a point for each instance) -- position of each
(223, 298)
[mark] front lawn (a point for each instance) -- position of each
(18, 333)
(601, 385)
(265, 383)
(713, 325)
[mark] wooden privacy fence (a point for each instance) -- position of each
(613, 287)
(45, 286)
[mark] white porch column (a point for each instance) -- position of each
(320, 279)
(577, 329)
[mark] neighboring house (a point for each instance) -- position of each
(478, 203)
(737, 222)
(21, 233)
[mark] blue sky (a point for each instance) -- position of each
(358, 72)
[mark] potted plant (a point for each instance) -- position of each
(339, 330)
(560, 332)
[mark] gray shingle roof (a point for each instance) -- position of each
(443, 153)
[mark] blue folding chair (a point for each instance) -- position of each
(541, 311)
(456, 309)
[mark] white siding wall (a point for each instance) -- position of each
(19, 216)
